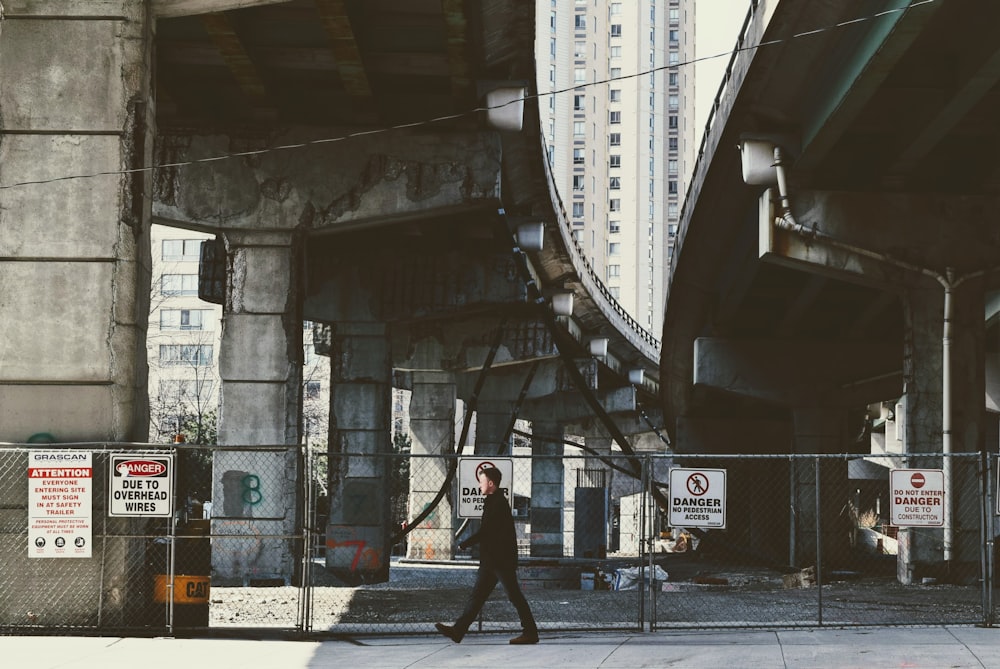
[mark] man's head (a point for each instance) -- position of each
(489, 480)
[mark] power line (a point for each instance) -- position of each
(460, 115)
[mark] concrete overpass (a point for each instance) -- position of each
(856, 267)
(343, 154)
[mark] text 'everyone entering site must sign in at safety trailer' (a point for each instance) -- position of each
(917, 498)
(470, 502)
(698, 498)
(140, 485)
(60, 512)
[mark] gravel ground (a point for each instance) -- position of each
(702, 594)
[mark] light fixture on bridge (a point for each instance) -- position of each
(599, 346)
(636, 376)
(531, 236)
(562, 304)
(505, 108)
(758, 162)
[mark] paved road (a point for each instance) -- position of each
(954, 647)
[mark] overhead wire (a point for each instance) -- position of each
(464, 114)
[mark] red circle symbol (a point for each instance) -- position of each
(918, 480)
(697, 484)
(483, 465)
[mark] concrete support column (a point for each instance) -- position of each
(74, 272)
(260, 365)
(922, 551)
(358, 539)
(819, 430)
(432, 432)
(74, 253)
(492, 421)
(547, 490)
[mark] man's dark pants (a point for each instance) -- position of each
(486, 580)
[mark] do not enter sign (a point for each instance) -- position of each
(917, 497)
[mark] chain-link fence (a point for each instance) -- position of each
(299, 541)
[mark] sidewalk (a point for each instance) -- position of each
(954, 647)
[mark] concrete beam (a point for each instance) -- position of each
(165, 9)
(570, 407)
(786, 372)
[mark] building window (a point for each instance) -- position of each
(579, 75)
(580, 22)
(672, 187)
(672, 79)
(579, 156)
(615, 95)
(672, 121)
(673, 58)
(196, 355)
(616, 52)
(672, 210)
(578, 102)
(672, 167)
(615, 204)
(673, 102)
(674, 34)
(313, 389)
(616, 8)
(552, 47)
(672, 143)
(614, 226)
(181, 249)
(579, 128)
(179, 284)
(615, 183)
(614, 248)
(616, 30)
(614, 161)
(674, 15)
(185, 319)
(614, 271)
(577, 209)
(579, 49)
(578, 182)
(614, 117)
(615, 139)
(616, 73)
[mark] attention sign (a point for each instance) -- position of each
(917, 498)
(697, 498)
(60, 510)
(470, 502)
(140, 485)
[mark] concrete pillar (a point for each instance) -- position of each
(546, 490)
(922, 550)
(492, 420)
(74, 252)
(260, 364)
(432, 432)
(819, 430)
(358, 538)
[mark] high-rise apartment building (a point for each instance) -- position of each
(617, 113)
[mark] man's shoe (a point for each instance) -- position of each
(450, 632)
(524, 639)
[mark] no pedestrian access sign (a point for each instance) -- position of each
(140, 485)
(917, 498)
(697, 498)
(470, 502)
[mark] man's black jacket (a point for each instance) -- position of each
(496, 538)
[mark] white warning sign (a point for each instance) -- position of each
(60, 509)
(470, 502)
(139, 485)
(917, 497)
(697, 498)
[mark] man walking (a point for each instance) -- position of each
(497, 562)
